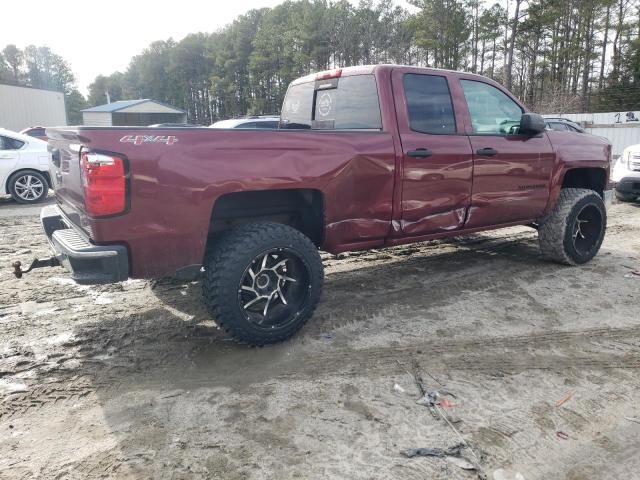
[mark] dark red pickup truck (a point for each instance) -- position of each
(365, 157)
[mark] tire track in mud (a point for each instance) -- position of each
(557, 350)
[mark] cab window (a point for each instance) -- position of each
(429, 104)
(492, 111)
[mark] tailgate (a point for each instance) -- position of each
(64, 166)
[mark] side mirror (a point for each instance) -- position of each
(532, 124)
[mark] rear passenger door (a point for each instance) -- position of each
(512, 172)
(9, 156)
(437, 160)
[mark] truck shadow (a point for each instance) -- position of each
(178, 332)
(360, 284)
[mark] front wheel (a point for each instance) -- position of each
(573, 232)
(28, 187)
(262, 282)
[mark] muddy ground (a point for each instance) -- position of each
(133, 380)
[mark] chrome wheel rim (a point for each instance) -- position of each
(274, 288)
(29, 187)
(587, 229)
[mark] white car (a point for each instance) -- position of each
(24, 167)
(265, 122)
(626, 174)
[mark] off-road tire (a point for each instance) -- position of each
(12, 187)
(227, 263)
(625, 197)
(556, 231)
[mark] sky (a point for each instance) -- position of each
(101, 37)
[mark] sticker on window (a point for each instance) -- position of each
(324, 104)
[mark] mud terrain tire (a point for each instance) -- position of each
(258, 268)
(573, 232)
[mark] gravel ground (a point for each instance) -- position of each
(133, 380)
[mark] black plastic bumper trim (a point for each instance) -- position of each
(88, 263)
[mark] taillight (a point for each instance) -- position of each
(104, 183)
(335, 73)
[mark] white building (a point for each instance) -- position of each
(22, 107)
(620, 128)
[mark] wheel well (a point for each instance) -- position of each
(302, 209)
(10, 177)
(591, 178)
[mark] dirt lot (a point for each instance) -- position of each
(134, 381)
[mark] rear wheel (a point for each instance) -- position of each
(625, 197)
(573, 232)
(262, 282)
(28, 186)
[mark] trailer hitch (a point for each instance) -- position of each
(37, 263)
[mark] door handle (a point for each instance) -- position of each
(6, 156)
(420, 153)
(487, 152)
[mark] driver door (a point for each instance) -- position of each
(511, 172)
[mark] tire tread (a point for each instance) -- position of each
(552, 230)
(227, 252)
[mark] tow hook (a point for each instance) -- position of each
(37, 263)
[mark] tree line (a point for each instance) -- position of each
(556, 55)
(39, 67)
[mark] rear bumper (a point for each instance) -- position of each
(629, 185)
(88, 263)
(608, 198)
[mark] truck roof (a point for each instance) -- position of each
(369, 69)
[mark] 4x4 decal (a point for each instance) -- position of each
(140, 139)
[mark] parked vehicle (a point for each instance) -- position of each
(626, 174)
(173, 125)
(36, 132)
(24, 167)
(257, 122)
(563, 125)
(367, 157)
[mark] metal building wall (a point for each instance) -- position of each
(611, 125)
(97, 119)
(620, 135)
(22, 107)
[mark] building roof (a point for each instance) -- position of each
(124, 104)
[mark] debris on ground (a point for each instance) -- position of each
(454, 451)
(398, 389)
(634, 272)
(502, 474)
(452, 455)
(434, 397)
(566, 397)
(562, 435)
(461, 462)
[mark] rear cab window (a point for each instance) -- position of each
(344, 103)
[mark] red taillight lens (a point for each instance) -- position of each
(104, 183)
